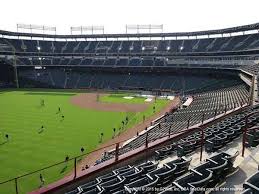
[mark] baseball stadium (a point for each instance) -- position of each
(129, 113)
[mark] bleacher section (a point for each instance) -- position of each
(150, 177)
(66, 78)
(235, 43)
(204, 106)
(164, 173)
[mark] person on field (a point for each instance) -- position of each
(41, 129)
(82, 150)
(97, 97)
(66, 161)
(59, 110)
(7, 137)
(42, 180)
(114, 131)
(42, 102)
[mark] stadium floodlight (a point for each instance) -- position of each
(143, 28)
(38, 48)
(40, 58)
(87, 30)
(181, 48)
(143, 48)
(168, 48)
(31, 28)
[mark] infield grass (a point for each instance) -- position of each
(30, 148)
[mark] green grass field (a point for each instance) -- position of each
(29, 148)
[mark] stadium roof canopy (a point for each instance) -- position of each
(237, 29)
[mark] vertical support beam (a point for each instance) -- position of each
(146, 142)
(202, 142)
(15, 72)
(16, 186)
(252, 92)
(75, 167)
(244, 136)
(215, 114)
(188, 122)
(117, 152)
(202, 120)
(225, 109)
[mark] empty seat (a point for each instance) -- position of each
(107, 177)
(182, 165)
(247, 191)
(165, 151)
(76, 191)
(166, 174)
(186, 148)
(147, 167)
(193, 180)
(144, 185)
(132, 175)
(216, 142)
(252, 183)
(90, 185)
(96, 190)
(113, 185)
(122, 169)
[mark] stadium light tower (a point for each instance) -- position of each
(31, 28)
(142, 28)
(87, 29)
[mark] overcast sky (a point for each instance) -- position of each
(175, 15)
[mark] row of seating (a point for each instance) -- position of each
(241, 42)
(207, 175)
(126, 179)
(206, 102)
(172, 177)
(61, 78)
(252, 136)
(215, 136)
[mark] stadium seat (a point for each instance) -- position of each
(144, 185)
(252, 183)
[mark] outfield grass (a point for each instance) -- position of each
(21, 117)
